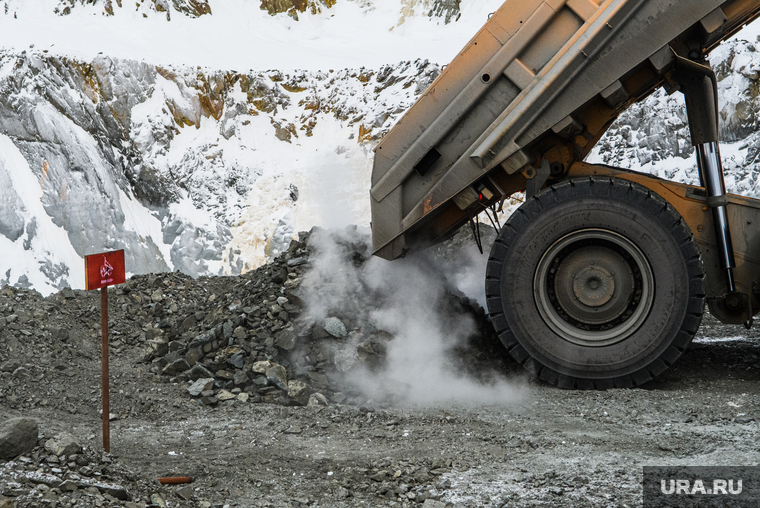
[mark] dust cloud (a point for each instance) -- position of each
(426, 302)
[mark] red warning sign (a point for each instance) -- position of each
(104, 269)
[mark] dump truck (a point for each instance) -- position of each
(601, 277)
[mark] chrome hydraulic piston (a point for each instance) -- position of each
(700, 88)
(711, 173)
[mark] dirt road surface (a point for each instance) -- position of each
(550, 448)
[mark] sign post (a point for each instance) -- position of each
(103, 270)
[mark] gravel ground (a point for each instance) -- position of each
(526, 444)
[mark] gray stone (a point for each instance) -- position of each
(317, 399)
(49, 480)
(185, 492)
(278, 376)
(432, 503)
(241, 378)
(111, 489)
(63, 444)
(318, 379)
(57, 333)
(193, 356)
(157, 500)
(280, 275)
(237, 360)
(285, 339)
(9, 366)
(22, 373)
(240, 333)
(69, 486)
(297, 262)
(187, 323)
(159, 347)
(154, 333)
(199, 371)
(176, 345)
(17, 436)
(335, 327)
(225, 395)
(299, 392)
(262, 367)
(202, 339)
(176, 367)
(173, 356)
(345, 359)
(200, 386)
(292, 283)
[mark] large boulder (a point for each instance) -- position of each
(17, 436)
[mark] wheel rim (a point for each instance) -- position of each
(594, 287)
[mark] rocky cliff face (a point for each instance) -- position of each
(167, 163)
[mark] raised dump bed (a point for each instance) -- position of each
(541, 79)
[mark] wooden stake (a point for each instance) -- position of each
(104, 362)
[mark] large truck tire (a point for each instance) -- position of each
(595, 283)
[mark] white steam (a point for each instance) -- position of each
(411, 299)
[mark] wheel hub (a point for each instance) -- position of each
(592, 283)
(594, 287)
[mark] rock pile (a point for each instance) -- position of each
(251, 344)
(257, 343)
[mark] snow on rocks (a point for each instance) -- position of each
(190, 164)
